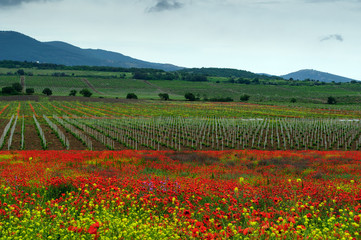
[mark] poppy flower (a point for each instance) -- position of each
(186, 213)
(93, 229)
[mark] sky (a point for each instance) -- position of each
(262, 36)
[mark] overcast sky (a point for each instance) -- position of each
(262, 36)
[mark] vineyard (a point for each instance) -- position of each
(140, 126)
(178, 170)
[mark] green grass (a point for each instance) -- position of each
(35, 71)
(118, 87)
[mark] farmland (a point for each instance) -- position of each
(106, 167)
(117, 84)
(159, 125)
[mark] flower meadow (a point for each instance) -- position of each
(235, 194)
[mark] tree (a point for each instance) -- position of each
(164, 96)
(21, 72)
(244, 98)
(331, 100)
(72, 92)
(29, 91)
(47, 91)
(8, 90)
(131, 96)
(190, 96)
(85, 92)
(17, 87)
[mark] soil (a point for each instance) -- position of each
(53, 142)
(74, 143)
(32, 139)
(16, 142)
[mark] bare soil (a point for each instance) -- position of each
(32, 139)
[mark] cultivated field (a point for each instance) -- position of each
(156, 125)
(181, 170)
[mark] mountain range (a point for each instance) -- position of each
(19, 47)
(316, 75)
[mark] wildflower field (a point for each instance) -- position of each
(239, 194)
(176, 170)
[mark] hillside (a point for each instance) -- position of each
(316, 75)
(19, 47)
(227, 72)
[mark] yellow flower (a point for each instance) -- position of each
(299, 180)
(236, 190)
(352, 181)
(241, 180)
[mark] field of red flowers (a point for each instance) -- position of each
(237, 194)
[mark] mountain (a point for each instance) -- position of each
(19, 47)
(316, 75)
(227, 72)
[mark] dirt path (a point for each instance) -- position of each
(84, 80)
(22, 82)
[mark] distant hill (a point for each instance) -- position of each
(19, 47)
(316, 75)
(227, 72)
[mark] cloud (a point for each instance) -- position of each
(164, 5)
(17, 2)
(336, 37)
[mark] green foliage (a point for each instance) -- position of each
(17, 87)
(221, 99)
(85, 92)
(244, 98)
(293, 100)
(21, 72)
(8, 90)
(190, 96)
(29, 91)
(72, 92)
(47, 91)
(164, 96)
(331, 100)
(131, 96)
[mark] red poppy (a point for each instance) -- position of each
(186, 213)
(93, 229)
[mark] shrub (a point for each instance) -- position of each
(8, 90)
(190, 96)
(47, 91)
(72, 92)
(85, 92)
(244, 98)
(29, 91)
(132, 96)
(222, 99)
(164, 96)
(17, 87)
(331, 100)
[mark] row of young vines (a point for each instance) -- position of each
(180, 133)
(218, 133)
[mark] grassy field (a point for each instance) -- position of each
(111, 85)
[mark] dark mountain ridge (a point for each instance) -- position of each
(19, 47)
